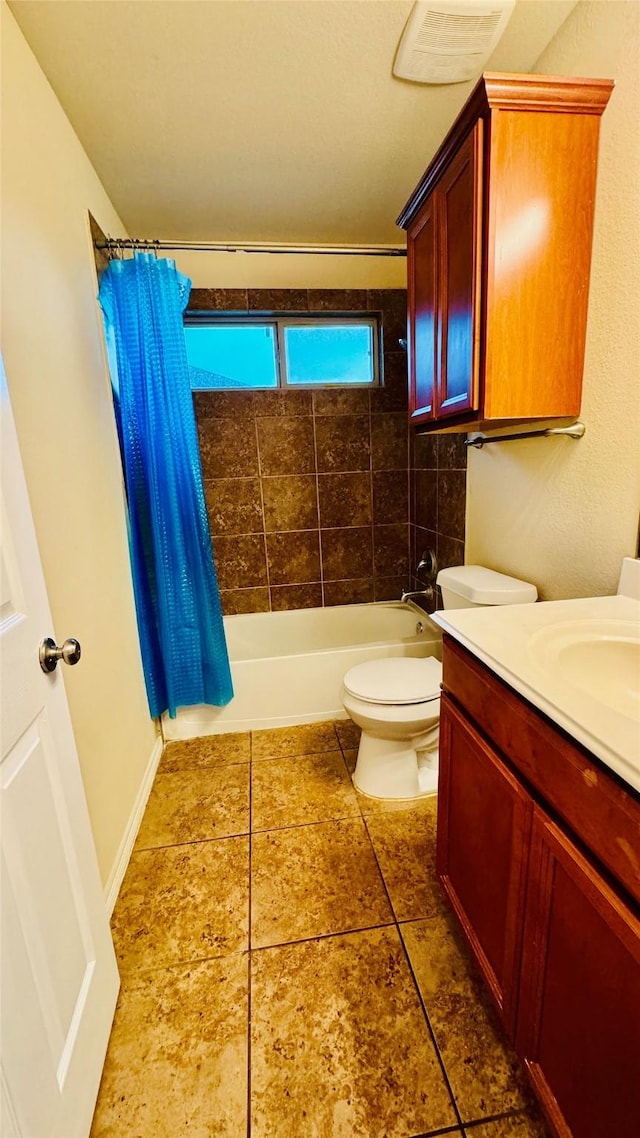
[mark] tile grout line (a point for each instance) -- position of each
(371, 473)
(215, 765)
(322, 936)
(134, 970)
(438, 1132)
(308, 825)
(515, 1113)
(297, 755)
(371, 501)
(417, 988)
(193, 842)
(249, 914)
(317, 481)
(431, 1031)
(264, 519)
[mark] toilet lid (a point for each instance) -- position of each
(395, 680)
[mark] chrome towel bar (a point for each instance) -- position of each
(575, 431)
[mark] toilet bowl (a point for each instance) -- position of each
(396, 701)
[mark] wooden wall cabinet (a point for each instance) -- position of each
(499, 234)
(553, 925)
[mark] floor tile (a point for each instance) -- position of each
(183, 903)
(209, 750)
(405, 844)
(340, 1047)
(196, 805)
(350, 757)
(314, 880)
(348, 733)
(292, 792)
(306, 739)
(516, 1126)
(485, 1076)
(177, 1058)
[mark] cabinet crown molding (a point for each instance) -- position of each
(500, 91)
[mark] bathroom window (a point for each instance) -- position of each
(227, 353)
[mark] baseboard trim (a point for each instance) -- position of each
(112, 887)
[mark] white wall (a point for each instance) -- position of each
(556, 512)
(293, 270)
(59, 391)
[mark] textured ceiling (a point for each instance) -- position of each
(255, 120)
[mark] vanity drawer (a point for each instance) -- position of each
(601, 812)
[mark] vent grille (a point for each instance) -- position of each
(449, 41)
(440, 32)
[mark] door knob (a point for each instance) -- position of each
(49, 653)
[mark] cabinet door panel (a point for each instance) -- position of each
(483, 832)
(460, 226)
(423, 317)
(579, 1020)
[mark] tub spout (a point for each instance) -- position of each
(426, 593)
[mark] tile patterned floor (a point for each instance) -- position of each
(289, 967)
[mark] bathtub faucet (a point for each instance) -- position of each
(426, 593)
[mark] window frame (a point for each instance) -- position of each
(280, 321)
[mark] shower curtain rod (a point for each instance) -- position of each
(113, 244)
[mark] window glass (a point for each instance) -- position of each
(252, 353)
(224, 356)
(328, 353)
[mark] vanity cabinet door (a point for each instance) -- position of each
(459, 240)
(579, 1017)
(422, 309)
(484, 822)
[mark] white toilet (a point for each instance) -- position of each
(396, 700)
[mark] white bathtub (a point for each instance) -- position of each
(287, 667)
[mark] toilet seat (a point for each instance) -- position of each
(395, 680)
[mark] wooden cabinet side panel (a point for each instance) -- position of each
(422, 322)
(579, 1014)
(483, 833)
(542, 198)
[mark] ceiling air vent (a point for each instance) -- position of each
(449, 41)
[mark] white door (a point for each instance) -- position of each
(59, 980)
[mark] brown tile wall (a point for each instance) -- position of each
(308, 491)
(438, 476)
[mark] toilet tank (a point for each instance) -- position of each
(471, 586)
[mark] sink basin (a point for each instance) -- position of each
(599, 657)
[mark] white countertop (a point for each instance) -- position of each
(504, 638)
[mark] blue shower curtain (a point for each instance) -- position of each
(184, 652)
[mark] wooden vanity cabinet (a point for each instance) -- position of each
(484, 821)
(553, 925)
(579, 1014)
(499, 234)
